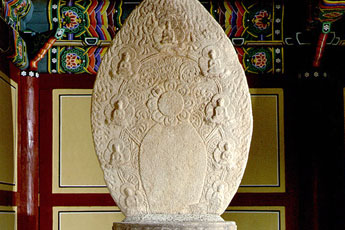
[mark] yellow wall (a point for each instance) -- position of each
(75, 164)
(265, 170)
(86, 218)
(256, 217)
(8, 130)
(8, 218)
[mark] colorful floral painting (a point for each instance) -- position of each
(253, 27)
(73, 60)
(260, 60)
(262, 20)
(245, 21)
(70, 20)
(251, 20)
(83, 19)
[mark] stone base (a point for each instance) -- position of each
(176, 226)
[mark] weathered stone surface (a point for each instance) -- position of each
(171, 113)
(176, 226)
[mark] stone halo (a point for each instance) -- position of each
(171, 118)
(170, 103)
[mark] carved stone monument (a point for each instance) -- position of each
(171, 118)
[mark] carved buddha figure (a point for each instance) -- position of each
(220, 112)
(226, 155)
(125, 67)
(168, 35)
(119, 112)
(132, 199)
(119, 154)
(213, 62)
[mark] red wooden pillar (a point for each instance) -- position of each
(28, 184)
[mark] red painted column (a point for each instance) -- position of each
(28, 184)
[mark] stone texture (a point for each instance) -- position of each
(171, 115)
(176, 226)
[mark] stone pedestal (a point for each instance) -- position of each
(229, 225)
(171, 118)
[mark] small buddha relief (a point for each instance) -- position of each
(124, 66)
(216, 195)
(120, 112)
(217, 111)
(117, 154)
(223, 156)
(132, 199)
(127, 64)
(211, 63)
(168, 34)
